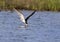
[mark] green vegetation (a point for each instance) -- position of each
(53, 5)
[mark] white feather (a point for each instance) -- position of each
(21, 16)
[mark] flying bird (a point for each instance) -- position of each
(25, 21)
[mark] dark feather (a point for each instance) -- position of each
(29, 16)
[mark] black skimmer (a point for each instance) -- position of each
(22, 16)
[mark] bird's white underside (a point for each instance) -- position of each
(21, 16)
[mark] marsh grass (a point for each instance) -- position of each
(53, 5)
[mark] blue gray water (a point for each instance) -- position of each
(43, 26)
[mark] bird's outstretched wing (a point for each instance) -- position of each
(30, 16)
(20, 15)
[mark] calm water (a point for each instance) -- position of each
(42, 27)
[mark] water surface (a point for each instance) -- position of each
(43, 26)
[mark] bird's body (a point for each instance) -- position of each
(22, 17)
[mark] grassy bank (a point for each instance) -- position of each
(53, 5)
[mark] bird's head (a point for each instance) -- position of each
(26, 25)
